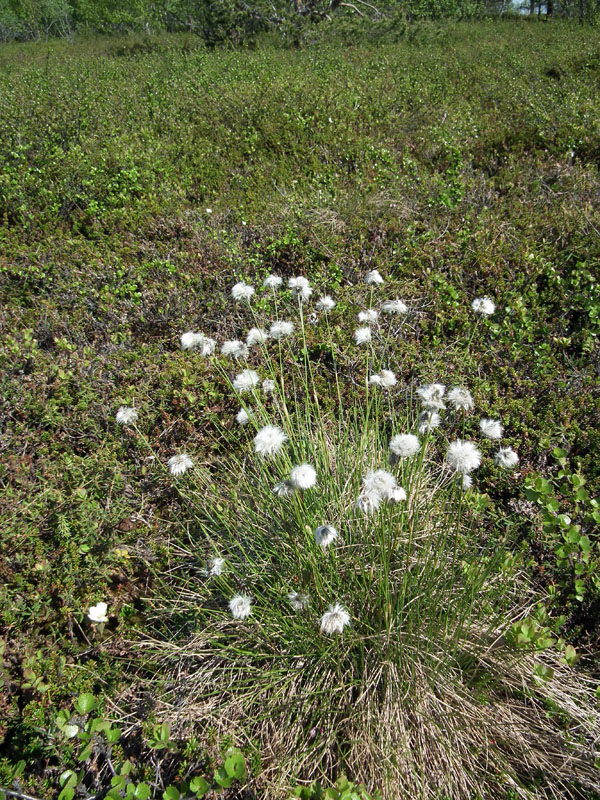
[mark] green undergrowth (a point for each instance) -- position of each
(138, 184)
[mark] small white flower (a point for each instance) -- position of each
(506, 457)
(431, 396)
(97, 613)
(246, 381)
(461, 399)
(208, 210)
(362, 335)
(269, 440)
(268, 387)
(256, 336)
(373, 278)
(284, 489)
(463, 456)
(179, 464)
(303, 477)
(492, 428)
(467, 482)
(280, 329)
(240, 606)
(243, 416)
(272, 282)
(235, 349)
(394, 307)
(484, 306)
(369, 316)
(126, 416)
(214, 566)
(300, 287)
(325, 535)
(368, 503)
(428, 421)
(398, 495)
(405, 445)
(325, 303)
(335, 619)
(242, 292)
(298, 601)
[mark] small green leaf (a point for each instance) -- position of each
(222, 778)
(235, 765)
(171, 793)
(199, 786)
(85, 703)
(142, 791)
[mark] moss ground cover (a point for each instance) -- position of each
(140, 183)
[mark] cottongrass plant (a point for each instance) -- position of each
(350, 616)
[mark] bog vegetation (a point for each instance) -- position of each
(300, 414)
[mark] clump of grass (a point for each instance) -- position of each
(349, 615)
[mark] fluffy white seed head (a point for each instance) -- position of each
(303, 477)
(506, 457)
(198, 341)
(256, 336)
(280, 329)
(325, 535)
(463, 456)
(373, 278)
(269, 441)
(284, 488)
(461, 399)
(268, 387)
(298, 600)
(375, 380)
(491, 428)
(467, 482)
(362, 335)
(126, 416)
(335, 619)
(214, 566)
(246, 381)
(240, 606)
(484, 306)
(98, 613)
(325, 303)
(380, 482)
(369, 316)
(272, 282)
(404, 445)
(179, 464)
(394, 307)
(243, 417)
(242, 292)
(428, 421)
(398, 495)
(431, 396)
(300, 287)
(235, 349)
(388, 379)
(368, 502)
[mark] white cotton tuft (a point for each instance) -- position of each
(373, 278)
(179, 464)
(280, 329)
(242, 292)
(491, 428)
(506, 458)
(269, 440)
(484, 306)
(325, 535)
(405, 445)
(463, 456)
(303, 477)
(431, 396)
(461, 399)
(256, 336)
(428, 421)
(272, 282)
(126, 416)
(298, 600)
(335, 619)
(394, 307)
(325, 303)
(246, 381)
(300, 287)
(240, 606)
(362, 335)
(369, 316)
(235, 349)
